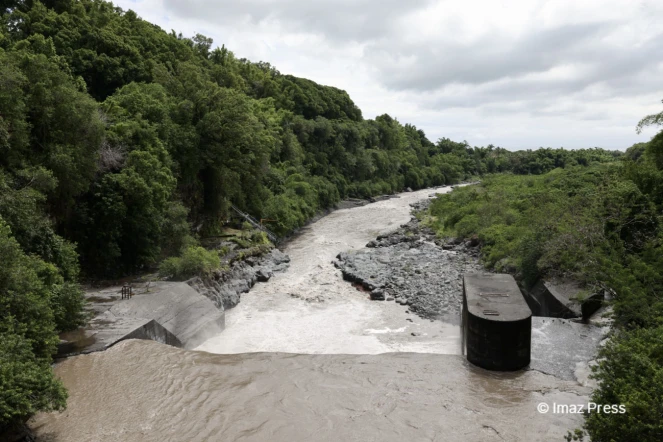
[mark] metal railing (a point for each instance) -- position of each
(251, 220)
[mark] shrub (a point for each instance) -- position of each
(67, 302)
(27, 334)
(176, 230)
(468, 226)
(195, 261)
(630, 372)
(27, 384)
(259, 237)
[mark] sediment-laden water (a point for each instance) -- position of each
(310, 309)
(145, 391)
(308, 357)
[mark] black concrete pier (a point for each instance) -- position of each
(497, 322)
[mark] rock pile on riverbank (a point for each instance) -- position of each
(225, 286)
(412, 267)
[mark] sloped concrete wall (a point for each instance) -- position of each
(153, 331)
(191, 317)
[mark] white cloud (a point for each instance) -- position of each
(519, 74)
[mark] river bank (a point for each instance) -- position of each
(414, 268)
(381, 370)
(311, 309)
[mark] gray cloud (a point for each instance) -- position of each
(494, 57)
(337, 20)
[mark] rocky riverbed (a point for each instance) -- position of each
(412, 267)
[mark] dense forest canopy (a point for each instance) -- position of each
(122, 144)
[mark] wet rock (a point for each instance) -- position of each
(473, 242)
(277, 257)
(505, 266)
(17, 433)
(281, 267)
(377, 294)
(224, 288)
(417, 271)
(263, 275)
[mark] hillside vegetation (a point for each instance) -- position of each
(121, 145)
(601, 226)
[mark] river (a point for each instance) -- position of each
(308, 357)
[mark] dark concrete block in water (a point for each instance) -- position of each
(497, 322)
(556, 299)
(562, 299)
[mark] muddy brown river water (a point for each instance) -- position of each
(307, 357)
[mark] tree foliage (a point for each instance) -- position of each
(27, 333)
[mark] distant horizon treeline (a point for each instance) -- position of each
(121, 145)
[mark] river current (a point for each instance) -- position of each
(308, 357)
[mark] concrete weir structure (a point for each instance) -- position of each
(171, 313)
(497, 322)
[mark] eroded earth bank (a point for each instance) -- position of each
(309, 356)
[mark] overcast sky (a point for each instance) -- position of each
(517, 74)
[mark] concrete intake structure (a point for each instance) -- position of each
(497, 322)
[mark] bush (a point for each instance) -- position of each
(27, 334)
(176, 230)
(195, 261)
(27, 384)
(67, 302)
(630, 372)
(259, 237)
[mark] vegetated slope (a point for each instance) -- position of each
(121, 144)
(140, 130)
(599, 225)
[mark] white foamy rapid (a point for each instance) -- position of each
(310, 309)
